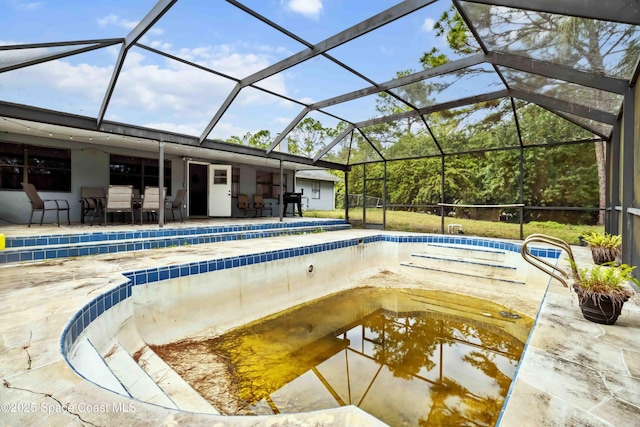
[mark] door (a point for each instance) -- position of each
(220, 190)
(198, 189)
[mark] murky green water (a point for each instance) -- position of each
(408, 357)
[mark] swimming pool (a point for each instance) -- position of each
(408, 356)
(163, 305)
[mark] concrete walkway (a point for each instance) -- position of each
(573, 372)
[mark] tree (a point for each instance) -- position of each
(260, 139)
(599, 47)
(309, 136)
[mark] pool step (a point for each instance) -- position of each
(469, 265)
(46, 250)
(92, 366)
(135, 380)
(439, 263)
(437, 275)
(466, 251)
(172, 384)
(180, 392)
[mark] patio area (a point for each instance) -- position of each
(573, 372)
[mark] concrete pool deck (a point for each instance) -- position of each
(573, 372)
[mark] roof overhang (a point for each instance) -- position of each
(30, 121)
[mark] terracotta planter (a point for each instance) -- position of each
(603, 310)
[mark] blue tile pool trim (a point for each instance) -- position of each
(93, 309)
(151, 239)
(100, 236)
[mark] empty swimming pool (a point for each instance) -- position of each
(110, 341)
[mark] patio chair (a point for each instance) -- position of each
(151, 201)
(244, 205)
(261, 205)
(39, 204)
(119, 199)
(176, 204)
(91, 199)
(137, 199)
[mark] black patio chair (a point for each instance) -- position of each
(176, 204)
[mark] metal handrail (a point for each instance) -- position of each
(553, 241)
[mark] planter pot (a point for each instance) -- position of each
(602, 255)
(603, 310)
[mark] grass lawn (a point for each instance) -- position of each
(425, 223)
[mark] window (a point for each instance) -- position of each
(138, 172)
(49, 169)
(315, 189)
(264, 181)
(220, 177)
(275, 188)
(268, 184)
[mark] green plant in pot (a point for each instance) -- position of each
(602, 290)
(604, 247)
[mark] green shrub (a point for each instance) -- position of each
(605, 279)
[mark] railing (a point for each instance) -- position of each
(552, 269)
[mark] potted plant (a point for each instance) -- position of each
(602, 291)
(604, 247)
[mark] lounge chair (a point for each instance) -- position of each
(119, 199)
(176, 204)
(43, 205)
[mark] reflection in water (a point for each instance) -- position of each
(406, 356)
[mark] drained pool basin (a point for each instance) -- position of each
(406, 356)
(115, 341)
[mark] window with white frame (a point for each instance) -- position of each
(315, 189)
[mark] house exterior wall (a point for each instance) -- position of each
(247, 185)
(327, 196)
(90, 168)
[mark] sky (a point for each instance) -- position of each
(157, 92)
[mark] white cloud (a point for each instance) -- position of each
(115, 20)
(428, 25)
(58, 85)
(194, 129)
(152, 90)
(161, 45)
(224, 130)
(309, 8)
(284, 51)
(282, 120)
(19, 4)
(33, 5)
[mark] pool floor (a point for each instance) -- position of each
(406, 356)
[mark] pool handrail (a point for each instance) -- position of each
(553, 241)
